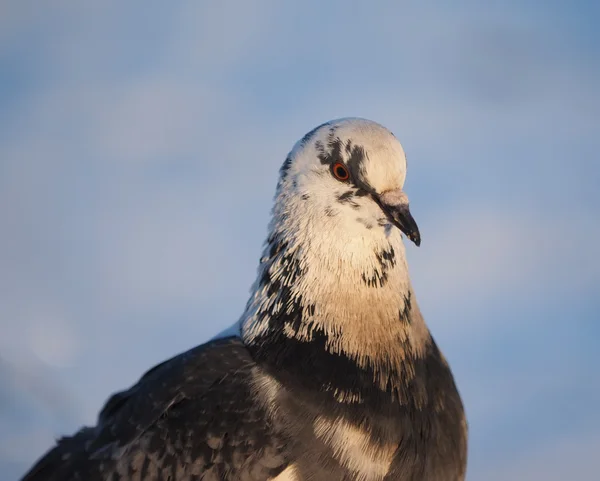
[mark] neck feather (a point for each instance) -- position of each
(339, 306)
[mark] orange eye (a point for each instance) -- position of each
(340, 172)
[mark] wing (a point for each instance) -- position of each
(192, 417)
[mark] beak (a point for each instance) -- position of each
(395, 205)
(402, 218)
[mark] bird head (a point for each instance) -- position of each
(350, 172)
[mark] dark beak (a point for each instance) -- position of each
(403, 219)
(399, 215)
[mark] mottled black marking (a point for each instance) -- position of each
(291, 267)
(283, 171)
(387, 255)
(379, 276)
(376, 279)
(357, 168)
(311, 134)
(349, 147)
(368, 225)
(279, 274)
(276, 246)
(346, 196)
(333, 152)
(332, 156)
(288, 270)
(320, 148)
(404, 314)
(329, 212)
(305, 196)
(265, 278)
(293, 308)
(357, 155)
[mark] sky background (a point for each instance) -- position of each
(139, 150)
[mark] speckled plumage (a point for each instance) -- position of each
(331, 372)
(188, 418)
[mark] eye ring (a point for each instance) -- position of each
(340, 171)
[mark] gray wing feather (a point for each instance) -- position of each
(190, 418)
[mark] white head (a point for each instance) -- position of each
(350, 169)
(334, 260)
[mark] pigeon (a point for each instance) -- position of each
(330, 373)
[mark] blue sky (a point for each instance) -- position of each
(139, 149)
